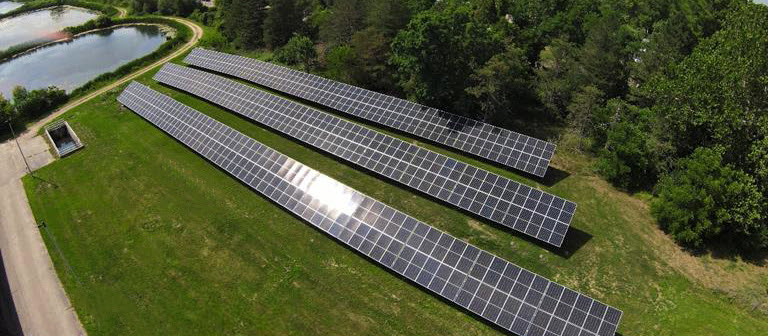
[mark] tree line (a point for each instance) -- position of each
(28, 105)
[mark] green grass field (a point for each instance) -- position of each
(162, 243)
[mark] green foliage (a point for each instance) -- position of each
(7, 112)
(436, 53)
(33, 104)
(672, 39)
(602, 57)
(371, 70)
(20, 48)
(205, 17)
(504, 81)
(582, 111)
(338, 62)
(642, 83)
(716, 96)
(298, 51)
(630, 152)
(345, 18)
(241, 21)
(704, 200)
(165, 7)
(284, 19)
(555, 76)
(97, 23)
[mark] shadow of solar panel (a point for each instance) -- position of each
(532, 212)
(501, 292)
(497, 144)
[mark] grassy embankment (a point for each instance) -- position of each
(164, 243)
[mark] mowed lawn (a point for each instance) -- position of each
(163, 243)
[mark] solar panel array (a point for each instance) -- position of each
(482, 139)
(538, 214)
(499, 291)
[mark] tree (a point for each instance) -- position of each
(7, 112)
(555, 76)
(387, 16)
(283, 19)
(503, 84)
(339, 64)
(582, 109)
(602, 57)
(346, 18)
(32, 104)
(144, 6)
(372, 49)
(716, 95)
(438, 51)
(298, 51)
(672, 39)
(704, 199)
(241, 21)
(630, 153)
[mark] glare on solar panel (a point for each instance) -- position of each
(478, 138)
(530, 211)
(501, 292)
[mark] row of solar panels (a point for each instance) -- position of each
(535, 213)
(485, 140)
(530, 211)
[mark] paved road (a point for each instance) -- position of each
(41, 304)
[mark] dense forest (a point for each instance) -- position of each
(669, 97)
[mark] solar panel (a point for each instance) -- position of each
(530, 211)
(501, 292)
(497, 144)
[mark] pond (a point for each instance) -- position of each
(41, 25)
(7, 6)
(69, 65)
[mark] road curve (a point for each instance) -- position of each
(197, 33)
(123, 12)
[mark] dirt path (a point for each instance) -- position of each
(123, 12)
(197, 33)
(41, 304)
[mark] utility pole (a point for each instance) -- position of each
(13, 134)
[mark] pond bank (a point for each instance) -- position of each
(167, 30)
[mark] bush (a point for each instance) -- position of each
(704, 200)
(32, 104)
(340, 64)
(298, 51)
(629, 152)
(97, 23)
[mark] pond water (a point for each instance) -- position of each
(69, 65)
(7, 6)
(41, 25)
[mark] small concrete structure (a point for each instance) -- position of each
(63, 138)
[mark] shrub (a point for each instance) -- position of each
(298, 51)
(704, 199)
